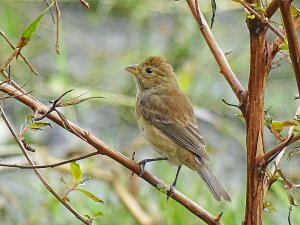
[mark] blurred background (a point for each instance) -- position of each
(95, 46)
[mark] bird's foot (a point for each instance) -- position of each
(142, 164)
(170, 191)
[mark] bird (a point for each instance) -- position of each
(166, 120)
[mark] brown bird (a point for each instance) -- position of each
(166, 119)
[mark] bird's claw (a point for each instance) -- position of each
(142, 164)
(170, 191)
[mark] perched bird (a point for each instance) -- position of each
(166, 119)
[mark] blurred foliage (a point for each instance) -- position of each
(96, 45)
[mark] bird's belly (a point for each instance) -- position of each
(160, 142)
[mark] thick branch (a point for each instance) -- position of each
(102, 148)
(220, 58)
(291, 34)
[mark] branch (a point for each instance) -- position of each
(102, 148)
(265, 159)
(272, 8)
(50, 165)
(291, 34)
(40, 176)
(263, 20)
(220, 58)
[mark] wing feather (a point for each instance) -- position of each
(179, 125)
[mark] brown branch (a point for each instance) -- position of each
(57, 26)
(38, 173)
(273, 7)
(102, 148)
(219, 55)
(263, 20)
(49, 165)
(265, 159)
(293, 42)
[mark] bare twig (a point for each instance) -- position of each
(102, 148)
(57, 26)
(217, 52)
(292, 37)
(38, 173)
(85, 4)
(265, 159)
(50, 165)
(53, 107)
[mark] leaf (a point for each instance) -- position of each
(251, 16)
(76, 172)
(294, 11)
(285, 45)
(89, 194)
(292, 200)
(29, 116)
(214, 9)
(278, 126)
(30, 30)
(75, 101)
(268, 207)
(88, 217)
(39, 125)
(97, 214)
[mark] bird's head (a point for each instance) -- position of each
(153, 72)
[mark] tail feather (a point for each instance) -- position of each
(212, 183)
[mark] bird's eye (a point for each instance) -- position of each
(149, 70)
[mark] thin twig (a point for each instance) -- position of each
(38, 173)
(219, 55)
(57, 26)
(50, 165)
(53, 107)
(102, 148)
(265, 159)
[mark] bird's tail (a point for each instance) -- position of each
(212, 183)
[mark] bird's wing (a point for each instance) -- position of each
(174, 116)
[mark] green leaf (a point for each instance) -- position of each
(285, 45)
(214, 9)
(278, 126)
(294, 11)
(268, 207)
(89, 194)
(30, 30)
(88, 217)
(39, 125)
(292, 200)
(76, 172)
(251, 16)
(97, 214)
(29, 116)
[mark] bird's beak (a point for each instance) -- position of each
(132, 69)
